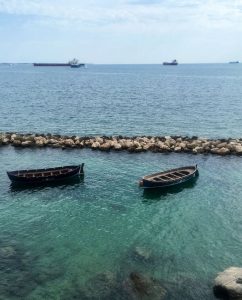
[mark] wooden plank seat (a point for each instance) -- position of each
(185, 173)
(171, 176)
(39, 174)
(174, 176)
(179, 174)
(56, 173)
(28, 175)
(156, 179)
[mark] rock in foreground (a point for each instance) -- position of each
(228, 284)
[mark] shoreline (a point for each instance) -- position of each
(135, 144)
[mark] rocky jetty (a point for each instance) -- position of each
(228, 284)
(136, 144)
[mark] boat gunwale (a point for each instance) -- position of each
(28, 171)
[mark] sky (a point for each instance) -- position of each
(121, 31)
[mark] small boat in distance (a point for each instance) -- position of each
(169, 178)
(234, 62)
(173, 63)
(75, 63)
(44, 176)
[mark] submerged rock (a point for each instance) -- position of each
(142, 253)
(16, 280)
(7, 252)
(138, 286)
(118, 207)
(228, 284)
(101, 286)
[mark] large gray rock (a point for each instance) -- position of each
(228, 284)
(238, 150)
(105, 147)
(95, 145)
(27, 144)
(16, 143)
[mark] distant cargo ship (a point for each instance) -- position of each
(234, 62)
(173, 63)
(72, 63)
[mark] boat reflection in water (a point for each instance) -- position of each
(158, 193)
(69, 183)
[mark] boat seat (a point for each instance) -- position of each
(29, 175)
(185, 173)
(174, 175)
(164, 178)
(171, 176)
(156, 179)
(178, 174)
(182, 173)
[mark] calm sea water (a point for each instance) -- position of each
(54, 241)
(200, 100)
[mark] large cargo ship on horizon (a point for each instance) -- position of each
(72, 63)
(173, 63)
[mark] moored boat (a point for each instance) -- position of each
(43, 176)
(169, 178)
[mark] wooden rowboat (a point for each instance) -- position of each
(44, 176)
(169, 178)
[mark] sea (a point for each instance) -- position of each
(84, 240)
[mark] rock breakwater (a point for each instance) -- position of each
(162, 144)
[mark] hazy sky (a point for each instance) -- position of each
(121, 31)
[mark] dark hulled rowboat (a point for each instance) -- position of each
(169, 178)
(43, 176)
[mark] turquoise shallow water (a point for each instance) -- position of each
(64, 236)
(54, 241)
